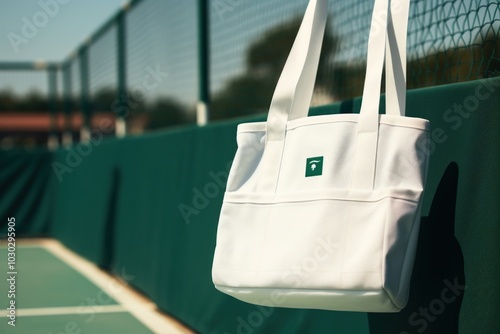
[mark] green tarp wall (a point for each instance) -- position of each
(26, 191)
(146, 208)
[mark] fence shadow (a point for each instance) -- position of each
(110, 227)
(438, 281)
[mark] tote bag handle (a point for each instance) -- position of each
(381, 33)
(395, 58)
(293, 93)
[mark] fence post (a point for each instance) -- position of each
(202, 107)
(53, 141)
(67, 139)
(85, 100)
(121, 124)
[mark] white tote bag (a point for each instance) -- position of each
(323, 212)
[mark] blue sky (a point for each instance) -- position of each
(51, 30)
(62, 26)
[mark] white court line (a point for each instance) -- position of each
(141, 308)
(35, 312)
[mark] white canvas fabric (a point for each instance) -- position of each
(323, 212)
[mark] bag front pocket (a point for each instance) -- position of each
(328, 240)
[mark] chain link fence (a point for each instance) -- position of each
(144, 65)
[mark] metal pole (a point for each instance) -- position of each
(67, 139)
(53, 141)
(202, 107)
(85, 100)
(120, 124)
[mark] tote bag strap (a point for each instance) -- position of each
(395, 58)
(293, 93)
(294, 90)
(382, 32)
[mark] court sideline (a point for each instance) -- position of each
(59, 292)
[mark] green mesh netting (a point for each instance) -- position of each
(448, 41)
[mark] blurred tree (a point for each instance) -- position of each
(102, 100)
(476, 60)
(8, 100)
(139, 113)
(488, 53)
(252, 91)
(167, 112)
(34, 101)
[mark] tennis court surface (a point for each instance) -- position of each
(56, 291)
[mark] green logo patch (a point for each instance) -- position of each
(314, 166)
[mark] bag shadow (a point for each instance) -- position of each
(438, 280)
